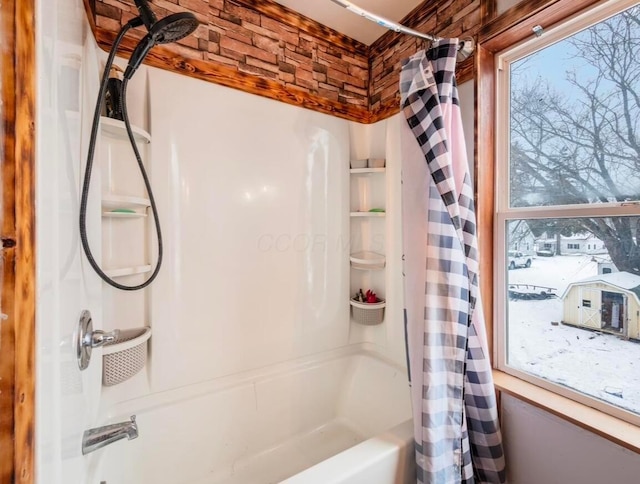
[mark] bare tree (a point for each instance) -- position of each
(583, 145)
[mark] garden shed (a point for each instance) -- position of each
(606, 302)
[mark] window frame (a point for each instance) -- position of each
(504, 213)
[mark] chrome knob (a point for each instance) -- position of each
(98, 338)
(87, 339)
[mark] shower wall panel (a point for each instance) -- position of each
(254, 203)
(66, 398)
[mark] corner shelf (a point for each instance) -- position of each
(359, 171)
(111, 202)
(128, 271)
(116, 129)
(123, 215)
(368, 214)
(367, 261)
(367, 266)
(126, 248)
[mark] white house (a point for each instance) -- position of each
(575, 244)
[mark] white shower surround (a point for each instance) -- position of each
(254, 203)
(338, 417)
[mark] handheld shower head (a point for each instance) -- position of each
(145, 13)
(174, 27)
(169, 29)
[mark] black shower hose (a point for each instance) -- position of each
(87, 174)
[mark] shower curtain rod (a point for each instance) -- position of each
(465, 47)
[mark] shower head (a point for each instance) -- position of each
(174, 27)
(169, 29)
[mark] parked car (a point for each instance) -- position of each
(518, 259)
(545, 253)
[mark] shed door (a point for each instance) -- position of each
(590, 307)
(613, 310)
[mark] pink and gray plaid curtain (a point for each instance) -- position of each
(454, 407)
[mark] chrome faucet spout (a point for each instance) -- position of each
(94, 439)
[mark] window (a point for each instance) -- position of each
(606, 270)
(568, 132)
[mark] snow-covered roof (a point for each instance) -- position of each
(621, 280)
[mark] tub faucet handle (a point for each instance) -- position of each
(100, 338)
(87, 339)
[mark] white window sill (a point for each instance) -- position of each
(611, 428)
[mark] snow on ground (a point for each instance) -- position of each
(596, 364)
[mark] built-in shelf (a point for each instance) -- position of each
(116, 129)
(367, 261)
(123, 214)
(356, 171)
(368, 214)
(112, 202)
(128, 271)
(367, 190)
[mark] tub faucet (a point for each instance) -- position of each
(94, 439)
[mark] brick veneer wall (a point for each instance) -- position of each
(266, 48)
(271, 43)
(446, 18)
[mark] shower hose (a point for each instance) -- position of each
(87, 174)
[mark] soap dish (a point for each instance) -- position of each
(125, 356)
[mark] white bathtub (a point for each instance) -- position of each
(342, 417)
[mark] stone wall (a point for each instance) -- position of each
(271, 43)
(266, 48)
(446, 18)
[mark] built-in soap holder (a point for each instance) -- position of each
(125, 356)
(369, 314)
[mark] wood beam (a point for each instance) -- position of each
(484, 173)
(7, 174)
(17, 326)
(25, 257)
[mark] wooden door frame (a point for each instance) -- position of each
(18, 296)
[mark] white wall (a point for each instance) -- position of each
(466, 94)
(542, 448)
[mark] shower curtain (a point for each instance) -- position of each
(454, 407)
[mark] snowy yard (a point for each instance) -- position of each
(596, 364)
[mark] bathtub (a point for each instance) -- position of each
(340, 417)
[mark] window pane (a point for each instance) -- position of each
(573, 312)
(575, 118)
